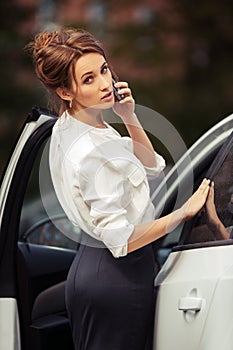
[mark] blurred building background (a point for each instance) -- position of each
(176, 54)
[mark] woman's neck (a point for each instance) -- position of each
(90, 116)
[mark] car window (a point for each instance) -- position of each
(215, 221)
(43, 221)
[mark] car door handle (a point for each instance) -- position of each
(190, 304)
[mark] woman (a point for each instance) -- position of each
(100, 179)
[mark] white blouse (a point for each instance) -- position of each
(100, 183)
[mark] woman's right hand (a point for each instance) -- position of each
(196, 202)
(125, 108)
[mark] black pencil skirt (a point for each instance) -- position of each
(110, 301)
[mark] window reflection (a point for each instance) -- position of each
(215, 222)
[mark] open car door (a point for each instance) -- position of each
(194, 304)
(35, 255)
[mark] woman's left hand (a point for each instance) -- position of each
(125, 107)
(196, 202)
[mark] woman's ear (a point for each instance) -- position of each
(64, 94)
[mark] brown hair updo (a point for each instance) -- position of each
(55, 54)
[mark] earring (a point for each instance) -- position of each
(70, 104)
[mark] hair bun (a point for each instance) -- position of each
(41, 42)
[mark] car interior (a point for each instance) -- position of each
(44, 257)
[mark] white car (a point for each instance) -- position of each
(194, 285)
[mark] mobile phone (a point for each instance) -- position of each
(118, 97)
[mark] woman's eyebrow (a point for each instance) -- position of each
(91, 72)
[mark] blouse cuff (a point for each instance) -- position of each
(116, 239)
(155, 171)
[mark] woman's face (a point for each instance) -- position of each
(93, 84)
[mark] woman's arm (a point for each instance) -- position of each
(146, 233)
(143, 148)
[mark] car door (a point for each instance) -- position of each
(195, 285)
(35, 252)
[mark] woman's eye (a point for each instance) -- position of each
(88, 80)
(104, 69)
